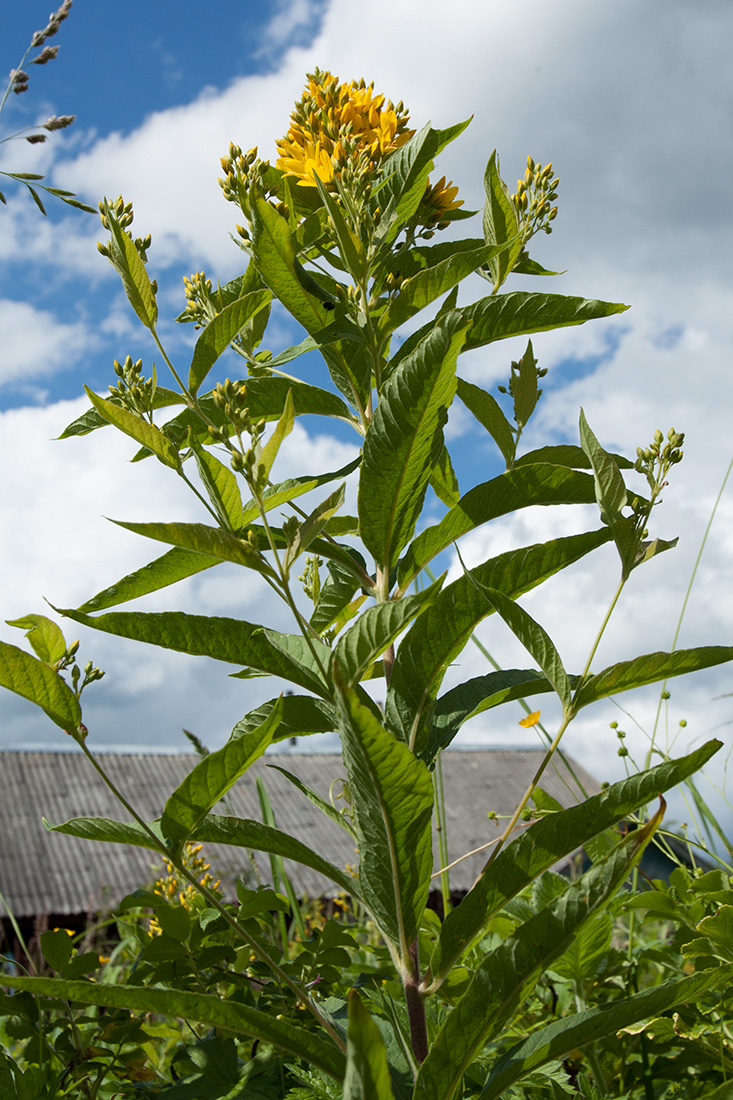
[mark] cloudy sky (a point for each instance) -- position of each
(630, 100)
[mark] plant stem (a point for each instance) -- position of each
(416, 1006)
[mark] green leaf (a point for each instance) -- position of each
(243, 833)
(547, 841)
(526, 393)
(520, 313)
(313, 525)
(56, 948)
(325, 807)
(128, 264)
(350, 247)
(649, 669)
(212, 777)
(610, 495)
(140, 430)
(175, 565)
(285, 491)
(222, 639)
(35, 680)
(508, 974)
(392, 800)
(404, 440)
(266, 397)
(501, 223)
(565, 454)
(375, 630)
(367, 1071)
(90, 420)
(488, 412)
(106, 831)
(198, 1008)
(443, 480)
(283, 428)
(213, 542)
(219, 333)
(437, 637)
(301, 715)
(44, 635)
(518, 488)
(336, 593)
(221, 485)
(552, 1043)
(535, 640)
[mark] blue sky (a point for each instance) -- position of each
(632, 103)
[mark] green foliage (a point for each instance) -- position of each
(494, 999)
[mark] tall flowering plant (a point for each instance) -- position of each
(341, 231)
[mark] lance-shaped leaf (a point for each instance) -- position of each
(310, 654)
(367, 1070)
(44, 635)
(611, 496)
(219, 333)
(213, 542)
(301, 715)
(243, 833)
(107, 831)
(443, 480)
(38, 682)
(405, 439)
(129, 265)
(535, 640)
(649, 669)
(437, 637)
(337, 591)
(232, 640)
(283, 428)
(552, 1043)
(266, 397)
(284, 491)
(350, 247)
(509, 973)
(566, 454)
(175, 565)
(501, 223)
(489, 414)
(547, 841)
(392, 800)
(200, 1008)
(147, 434)
(212, 777)
(325, 807)
(520, 313)
(519, 488)
(376, 629)
(313, 525)
(220, 483)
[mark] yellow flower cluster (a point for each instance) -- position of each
(171, 884)
(334, 122)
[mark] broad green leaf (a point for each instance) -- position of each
(566, 454)
(611, 496)
(451, 264)
(580, 961)
(301, 715)
(175, 565)
(405, 440)
(199, 1008)
(526, 392)
(56, 948)
(375, 630)
(232, 640)
(582, 1029)
(36, 681)
(520, 313)
(147, 434)
(90, 420)
(519, 488)
(221, 485)
(367, 1071)
(488, 412)
(547, 841)
(283, 428)
(649, 669)
(535, 640)
(107, 831)
(392, 800)
(266, 397)
(129, 265)
(311, 655)
(443, 480)
(44, 635)
(350, 247)
(336, 593)
(213, 542)
(219, 333)
(509, 973)
(212, 777)
(500, 222)
(437, 637)
(243, 833)
(325, 807)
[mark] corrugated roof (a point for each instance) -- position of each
(42, 872)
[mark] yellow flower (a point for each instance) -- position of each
(334, 122)
(439, 201)
(531, 719)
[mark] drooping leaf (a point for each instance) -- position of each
(219, 333)
(392, 800)
(314, 525)
(367, 1071)
(567, 454)
(336, 593)
(405, 440)
(519, 488)
(649, 669)
(325, 807)
(107, 831)
(199, 1008)
(38, 682)
(175, 565)
(44, 635)
(212, 777)
(301, 716)
(213, 542)
(283, 428)
(284, 491)
(438, 636)
(221, 485)
(547, 841)
(489, 414)
(137, 428)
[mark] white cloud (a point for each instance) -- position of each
(35, 343)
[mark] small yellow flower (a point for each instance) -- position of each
(531, 719)
(438, 201)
